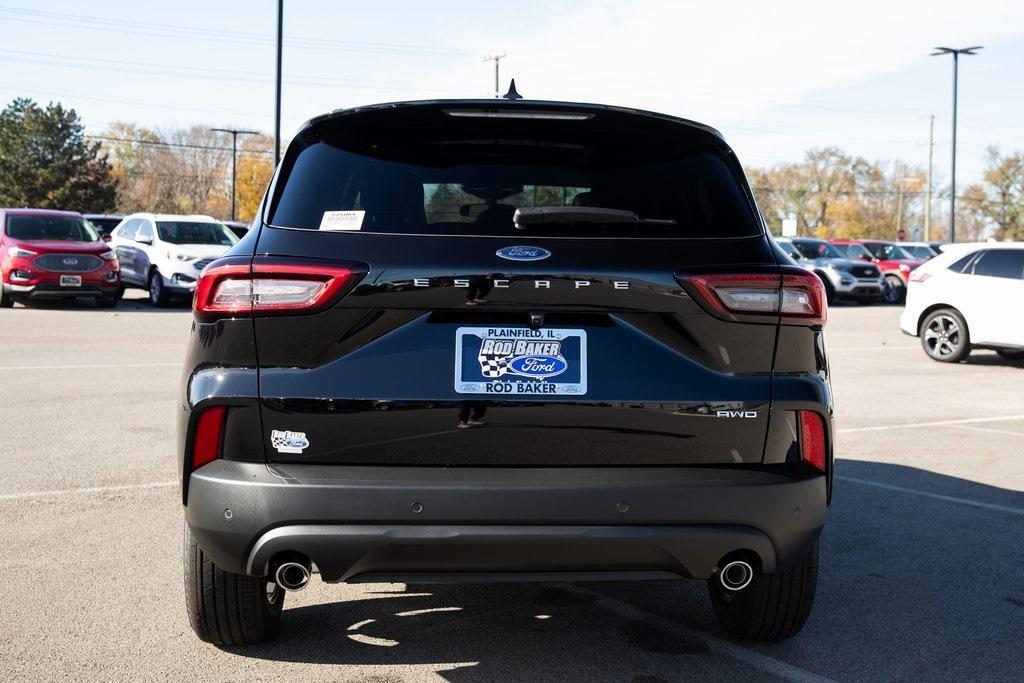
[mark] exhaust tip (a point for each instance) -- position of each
(292, 576)
(736, 575)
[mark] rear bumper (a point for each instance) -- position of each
(428, 524)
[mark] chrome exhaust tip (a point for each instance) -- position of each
(736, 575)
(292, 576)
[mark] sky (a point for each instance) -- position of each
(775, 77)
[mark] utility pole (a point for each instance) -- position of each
(496, 59)
(928, 192)
(234, 152)
(956, 52)
(277, 89)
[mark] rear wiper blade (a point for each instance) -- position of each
(526, 216)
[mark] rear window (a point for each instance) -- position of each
(187, 232)
(64, 228)
(466, 176)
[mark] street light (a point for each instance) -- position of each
(234, 148)
(956, 52)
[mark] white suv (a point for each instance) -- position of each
(165, 253)
(965, 298)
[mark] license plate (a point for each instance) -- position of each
(520, 361)
(70, 280)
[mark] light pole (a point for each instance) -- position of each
(234, 150)
(496, 59)
(956, 52)
(277, 87)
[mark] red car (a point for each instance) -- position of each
(55, 255)
(894, 261)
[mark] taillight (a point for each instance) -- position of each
(207, 439)
(240, 289)
(796, 296)
(812, 439)
(919, 275)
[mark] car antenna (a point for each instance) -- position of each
(512, 94)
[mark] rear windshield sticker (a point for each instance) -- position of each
(342, 220)
(520, 361)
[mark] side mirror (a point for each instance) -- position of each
(144, 239)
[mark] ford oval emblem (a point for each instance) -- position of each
(70, 261)
(523, 253)
(538, 367)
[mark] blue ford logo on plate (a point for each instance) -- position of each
(538, 367)
(523, 253)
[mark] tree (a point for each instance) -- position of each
(1004, 191)
(46, 162)
(254, 170)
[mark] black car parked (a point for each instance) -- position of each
(505, 341)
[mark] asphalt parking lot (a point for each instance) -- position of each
(921, 560)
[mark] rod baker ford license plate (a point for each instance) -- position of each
(520, 361)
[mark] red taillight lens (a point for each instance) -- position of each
(238, 289)
(209, 430)
(812, 439)
(797, 297)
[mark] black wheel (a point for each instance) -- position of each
(225, 608)
(865, 301)
(893, 290)
(773, 606)
(1011, 354)
(157, 292)
(5, 299)
(945, 337)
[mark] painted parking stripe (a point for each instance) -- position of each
(988, 430)
(937, 423)
(99, 366)
(935, 496)
(763, 662)
(87, 490)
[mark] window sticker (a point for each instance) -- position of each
(342, 220)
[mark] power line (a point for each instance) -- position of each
(95, 23)
(182, 145)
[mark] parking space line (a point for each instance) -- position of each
(937, 423)
(90, 489)
(936, 496)
(100, 366)
(874, 348)
(987, 429)
(760, 661)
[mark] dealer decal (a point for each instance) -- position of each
(288, 442)
(520, 361)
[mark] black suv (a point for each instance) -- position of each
(505, 341)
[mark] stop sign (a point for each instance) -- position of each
(901, 234)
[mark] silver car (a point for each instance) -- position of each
(844, 278)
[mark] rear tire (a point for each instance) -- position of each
(5, 299)
(773, 607)
(226, 608)
(110, 301)
(945, 337)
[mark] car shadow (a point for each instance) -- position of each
(86, 305)
(993, 358)
(918, 569)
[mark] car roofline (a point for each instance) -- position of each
(511, 104)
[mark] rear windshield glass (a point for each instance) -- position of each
(183, 232)
(818, 250)
(464, 176)
(65, 228)
(104, 225)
